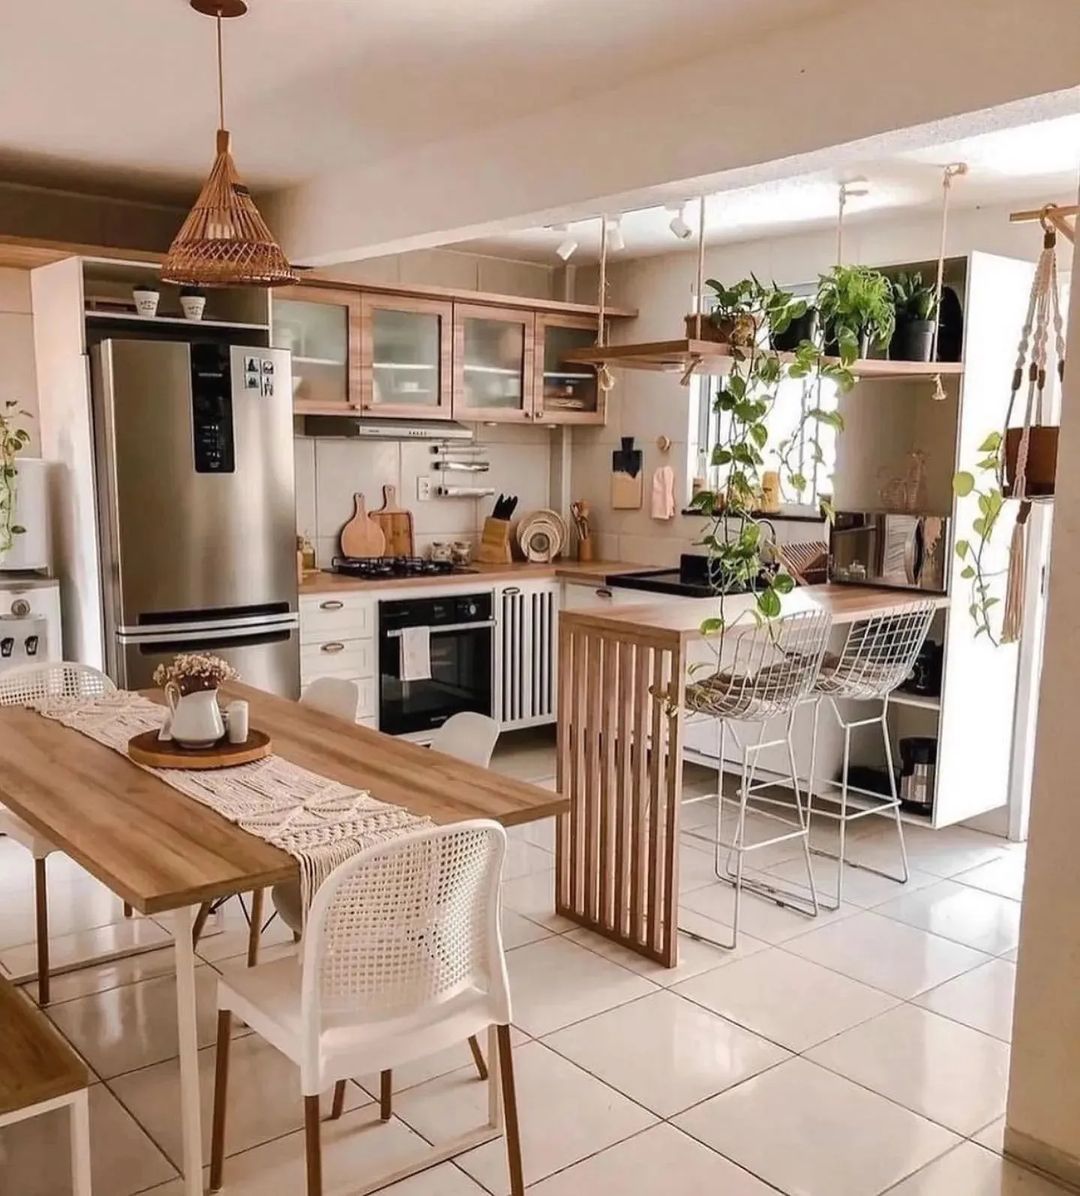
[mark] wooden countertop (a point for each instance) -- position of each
(160, 850)
(586, 572)
(683, 618)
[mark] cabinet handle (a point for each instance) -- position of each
(331, 604)
(336, 646)
(538, 415)
(603, 592)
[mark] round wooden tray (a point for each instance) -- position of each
(166, 753)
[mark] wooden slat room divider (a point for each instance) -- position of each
(619, 764)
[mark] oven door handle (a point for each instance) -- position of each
(442, 627)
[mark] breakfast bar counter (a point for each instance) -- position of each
(622, 684)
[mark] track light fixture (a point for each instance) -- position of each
(616, 243)
(677, 223)
(567, 247)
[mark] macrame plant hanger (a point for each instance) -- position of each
(947, 175)
(1043, 309)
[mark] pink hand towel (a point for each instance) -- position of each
(662, 505)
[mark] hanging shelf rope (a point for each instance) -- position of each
(950, 172)
(224, 241)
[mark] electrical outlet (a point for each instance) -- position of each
(423, 489)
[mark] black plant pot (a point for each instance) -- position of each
(832, 346)
(804, 328)
(913, 340)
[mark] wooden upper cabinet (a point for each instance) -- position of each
(407, 355)
(566, 392)
(322, 329)
(493, 363)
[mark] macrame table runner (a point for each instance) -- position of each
(319, 822)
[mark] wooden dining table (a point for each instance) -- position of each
(166, 854)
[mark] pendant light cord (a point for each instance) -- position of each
(220, 76)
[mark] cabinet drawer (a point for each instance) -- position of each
(366, 685)
(336, 616)
(337, 658)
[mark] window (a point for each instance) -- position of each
(786, 422)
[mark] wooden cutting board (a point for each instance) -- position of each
(362, 536)
(396, 524)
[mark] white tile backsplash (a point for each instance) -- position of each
(330, 471)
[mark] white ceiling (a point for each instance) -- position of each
(120, 94)
(1025, 163)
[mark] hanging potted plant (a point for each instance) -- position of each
(916, 308)
(739, 311)
(22, 489)
(856, 306)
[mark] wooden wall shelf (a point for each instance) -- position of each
(711, 357)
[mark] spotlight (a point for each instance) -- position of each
(566, 248)
(614, 234)
(678, 224)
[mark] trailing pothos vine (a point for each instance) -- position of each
(743, 403)
(13, 439)
(988, 489)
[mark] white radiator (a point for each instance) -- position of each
(527, 655)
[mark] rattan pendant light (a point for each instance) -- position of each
(224, 241)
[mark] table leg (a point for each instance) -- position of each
(183, 922)
(80, 1144)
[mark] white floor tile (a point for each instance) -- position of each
(80, 947)
(518, 930)
(232, 941)
(971, 1171)
(523, 859)
(759, 917)
(787, 999)
(695, 954)
(681, 1055)
(556, 982)
(533, 896)
(662, 1159)
(265, 1100)
(970, 916)
(862, 888)
(78, 905)
(540, 833)
(982, 998)
(943, 852)
(992, 1136)
(455, 1058)
(1004, 876)
(134, 1026)
(812, 1133)
(35, 1158)
(565, 1115)
(936, 1067)
(885, 954)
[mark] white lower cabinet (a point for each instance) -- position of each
(526, 654)
(337, 639)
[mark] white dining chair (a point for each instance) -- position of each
(467, 736)
(333, 695)
(20, 686)
(402, 957)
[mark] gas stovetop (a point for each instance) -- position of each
(379, 567)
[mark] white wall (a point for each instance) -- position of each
(647, 405)
(18, 375)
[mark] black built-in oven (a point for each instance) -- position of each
(462, 637)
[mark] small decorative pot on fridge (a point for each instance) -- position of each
(192, 303)
(146, 299)
(196, 717)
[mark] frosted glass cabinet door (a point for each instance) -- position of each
(493, 363)
(566, 391)
(321, 329)
(407, 357)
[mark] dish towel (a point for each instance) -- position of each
(663, 493)
(415, 653)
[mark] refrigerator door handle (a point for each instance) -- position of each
(151, 631)
(197, 635)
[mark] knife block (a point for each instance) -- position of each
(494, 548)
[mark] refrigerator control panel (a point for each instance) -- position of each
(212, 414)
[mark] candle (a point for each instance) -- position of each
(237, 711)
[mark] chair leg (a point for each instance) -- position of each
(200, 923)
(312, 1146)
(804, 821)
(905, 874)
(478, 1057)
(221, 1087)
(339, 1101)
(255, 929)
(41, 906)
(512, 1131)
(386, 1094)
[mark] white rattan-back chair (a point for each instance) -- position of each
(22, 686)
(878, 654)
(765, 673)
(402, 958)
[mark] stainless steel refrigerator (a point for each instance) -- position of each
(196, 508)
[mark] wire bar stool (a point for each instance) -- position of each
(877, 655)
(766, 672)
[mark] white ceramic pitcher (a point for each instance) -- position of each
(196, 720)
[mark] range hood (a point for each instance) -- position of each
(353, 427)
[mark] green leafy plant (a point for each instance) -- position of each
(856, 302)
(13, 439)
(912, 298)
(747, 304)
(986, 484)
(735, 540)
